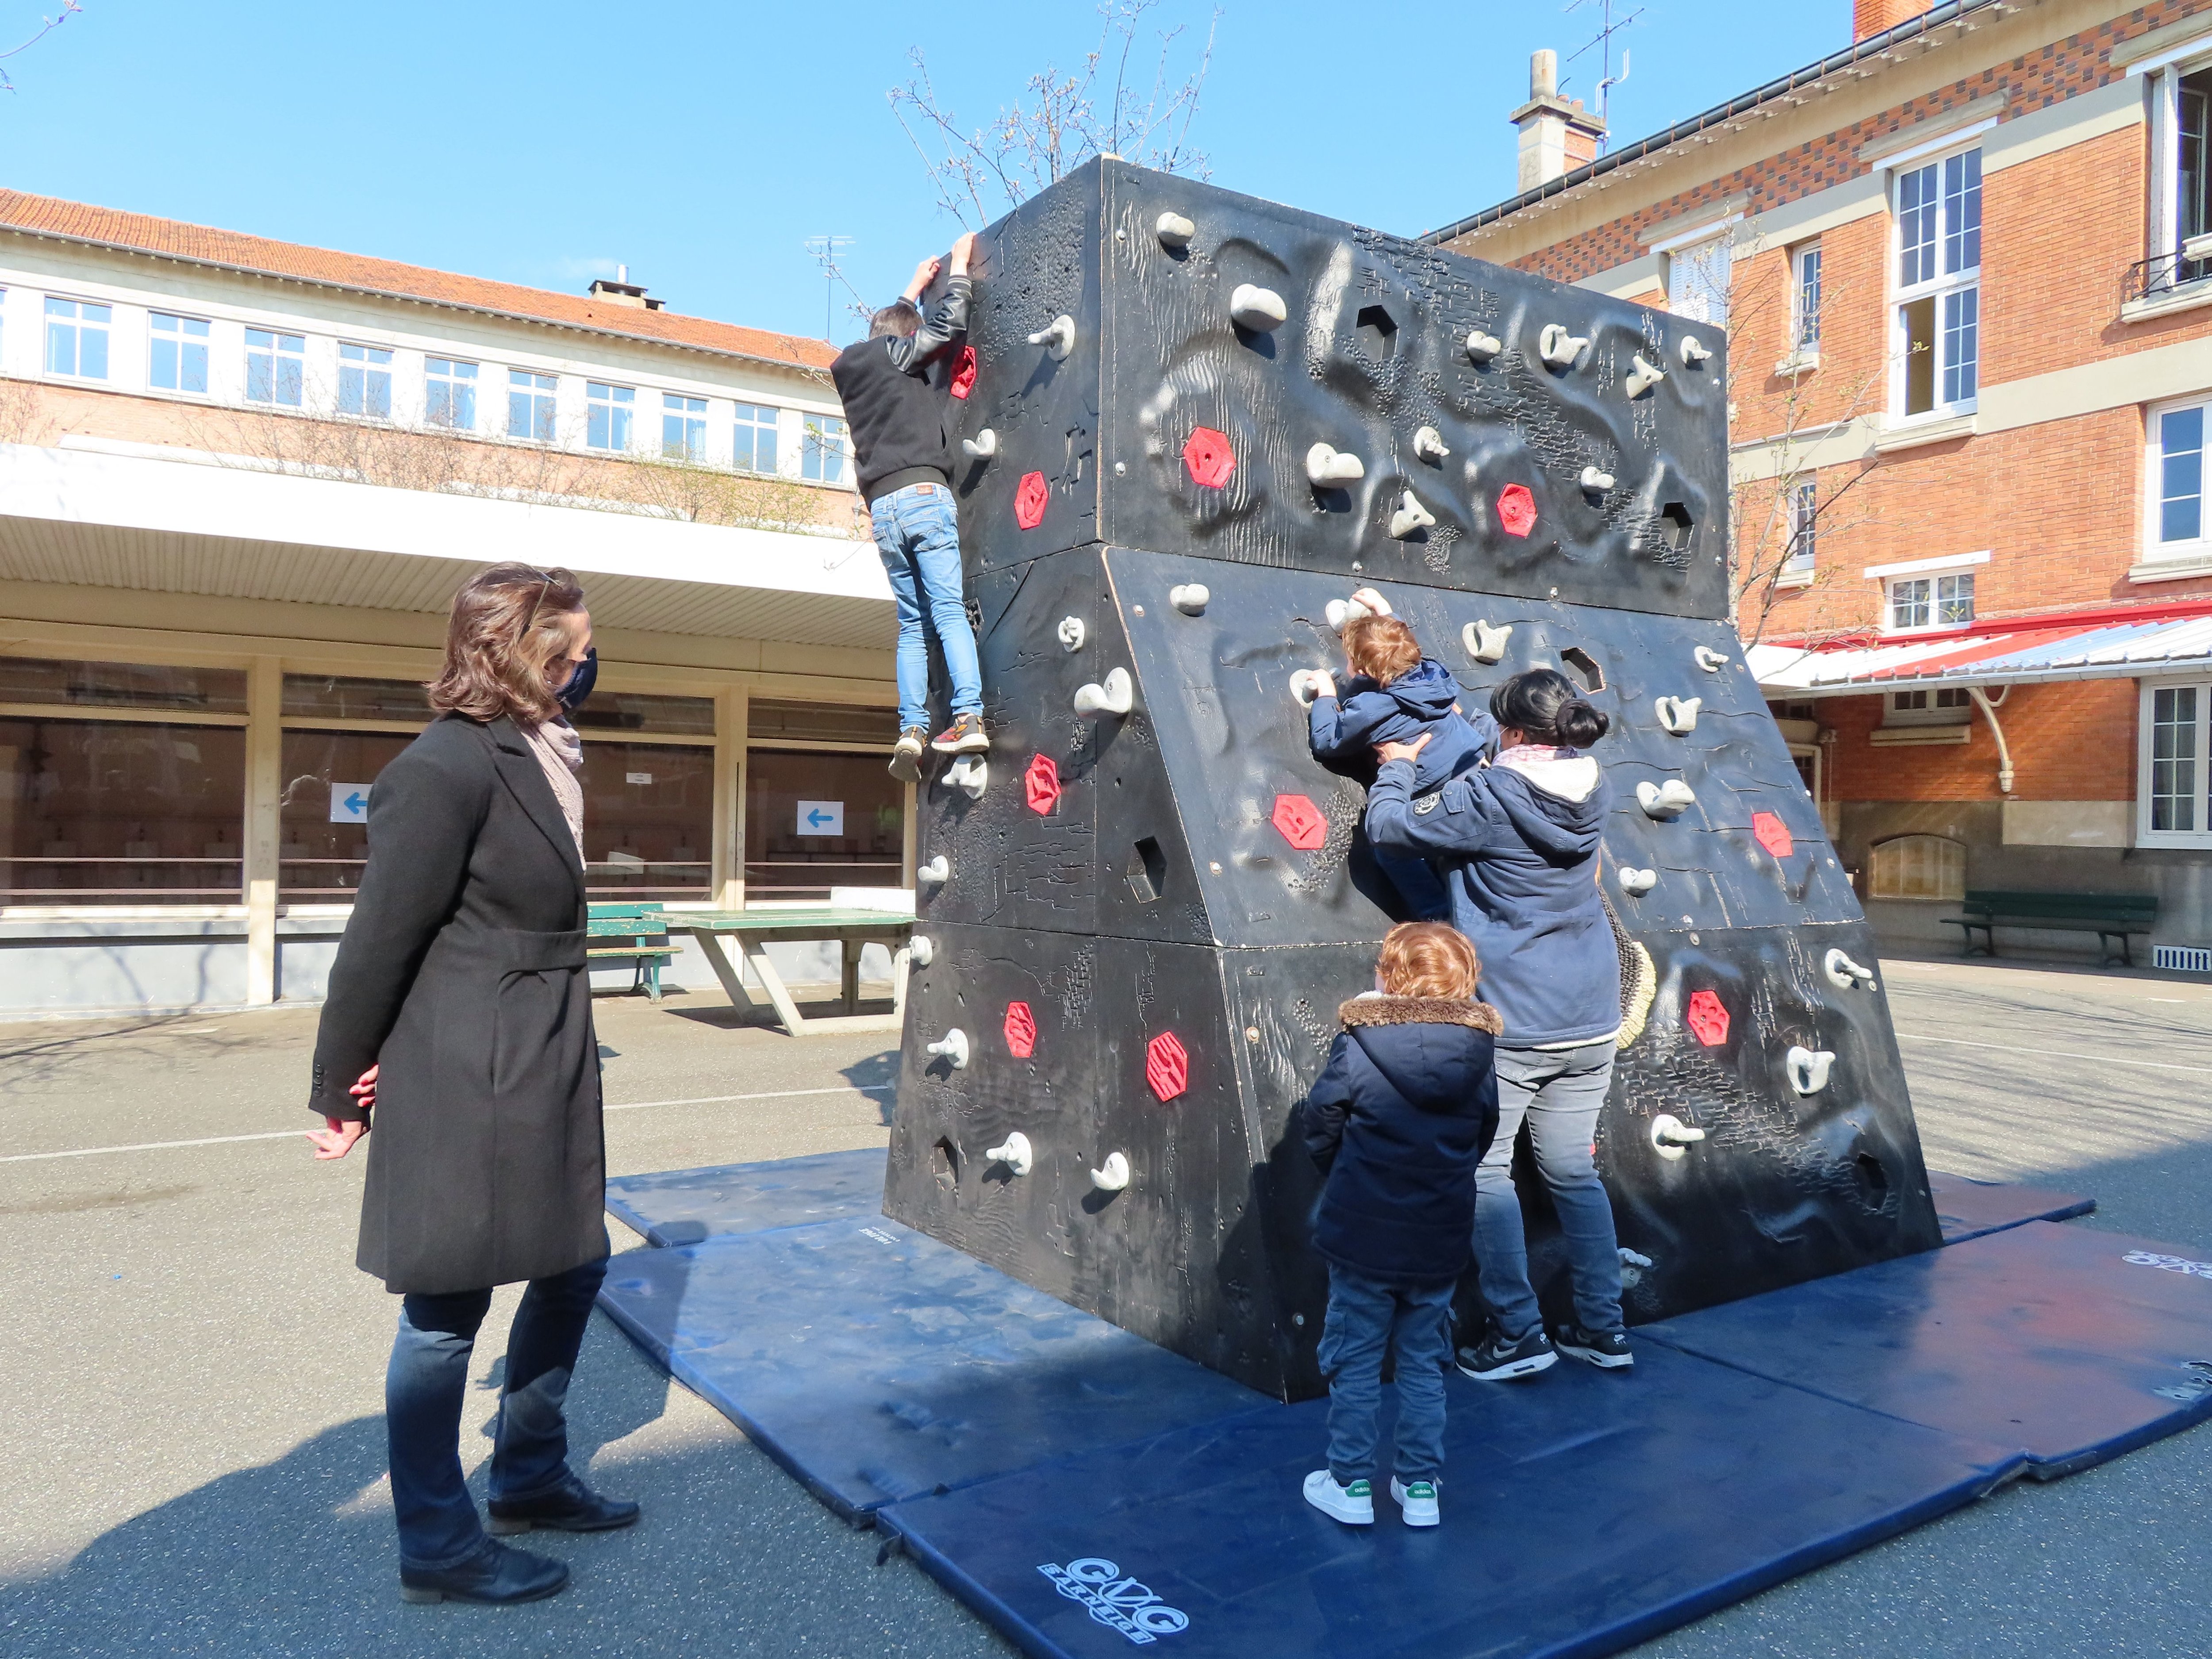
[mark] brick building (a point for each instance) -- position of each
(1965, 267)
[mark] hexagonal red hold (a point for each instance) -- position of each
(1517, 509)
(1040, 783)
(1029, 497)
(1773, 834)
(1707, 1020)
(1167, 1067)
(964, 372)
(1021, 1030)
(1301, 821)
(1209, 457)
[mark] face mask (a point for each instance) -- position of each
(581, 679)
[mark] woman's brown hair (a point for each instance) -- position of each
(1381, 647)
(1428, 959)
(508, 627)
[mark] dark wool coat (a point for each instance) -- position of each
(462, 974)
(1399, 1119)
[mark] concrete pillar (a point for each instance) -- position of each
(264, 789)
(733, 727)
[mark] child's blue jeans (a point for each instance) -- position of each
(918, 535)
(1366, 1318)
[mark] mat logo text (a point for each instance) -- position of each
(2173, 1264)
(1119, 1603)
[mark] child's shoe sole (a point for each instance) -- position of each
(1415, 1512)
(1331, 1499)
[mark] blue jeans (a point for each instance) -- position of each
(919, 537)
(422, 1393)
(1560, 1092)
(1366, 1317)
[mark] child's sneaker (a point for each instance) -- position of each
(1354, 1505)
(964, 737)
(906, 754)
(1496, 1360)
(1416, 1501)
(1606, 1349)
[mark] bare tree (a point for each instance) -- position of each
(46, 26)
(1107, 107)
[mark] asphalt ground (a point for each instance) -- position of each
(191, 1450)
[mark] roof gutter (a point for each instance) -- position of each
(1874, 46)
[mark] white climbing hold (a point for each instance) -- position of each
(1670, 1136)
(1631, 1259)
(1071, 632)
(1328, 466)
(1410, 516)
(1665, 801)
(1114, 1177)
(1710, 660)
(1190, 598)
(1015, 1152)
(1642, 376)
(1485, 643)
(921, 949)
(1174, 230)
(1339, 614)
(969, 773)
(936, 871)
(1260, 308)
(981, 447)
(1305, 685)
(1057, 336)
(952, 1046)
(1809, 1068)
(1117, 696)
(1845, 974)
(1633, 880)
(1558, 348)
(1483, 347)
(1429, 444)
(1692, 351)
(1595, 482)
(1679, 715)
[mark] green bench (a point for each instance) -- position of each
(636, 934)
(2108, 916)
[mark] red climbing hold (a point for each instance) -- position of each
(1208, 456)
(1517, 509)
(1301, 821)
(1042, 784)
(1029, 497)
(1773, 834)
(1167, 1067)
(964, 372)
(1707, 1019)
(1021, 1030)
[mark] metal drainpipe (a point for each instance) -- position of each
(2004, 753)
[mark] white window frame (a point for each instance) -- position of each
(530, 385)
(453, 381)
(186, 342)
(757, 418)
(1945, 290)
(1700, 273)
(1803, 560)
(1883, 857)
(824, 439)
(690, 414)
(1805, 274)
(1926, 705)
(374, 361)
(2163, 223)
(2200, 760)
(2157, 550)
(1934, 598)
(283, 347)
(618, 405)
(79, 326)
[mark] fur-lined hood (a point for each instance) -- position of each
(1374, 1008)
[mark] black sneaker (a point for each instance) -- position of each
(964, 737)
(494, 1576)
(1497, 1360)
(906, 754)
(1606, 1349)
(571, 1508)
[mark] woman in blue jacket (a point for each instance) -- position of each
(1516, 842)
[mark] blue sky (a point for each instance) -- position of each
(542, 140)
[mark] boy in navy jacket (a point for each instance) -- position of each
(1398, 1120)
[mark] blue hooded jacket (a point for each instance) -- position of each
(1517, 843)
(1398, 1120)
(1349, 726)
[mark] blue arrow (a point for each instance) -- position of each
(357, 802)
(817, 817)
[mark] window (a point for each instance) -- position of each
(76, 338)
(2175, 802)
(1939, 226)
(529, 405)
(822, 449)
(1931, 602)
(787, 857)
(608, 411)
(2181, 175)
(1936, 705)
(754, 448)
(648, 818)
(179, 359)
(275, 367)
(323, 843)
(1920, 868)
(365, 381)
(449, 393)
(1805, 302)
(1697, 281)
(1804, 530)
(2175, 452)
(682, 426)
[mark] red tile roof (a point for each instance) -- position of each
(108, 226)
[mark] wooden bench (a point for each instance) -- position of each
(2108, 916)
(636, 934)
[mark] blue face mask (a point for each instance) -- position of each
(581, 679)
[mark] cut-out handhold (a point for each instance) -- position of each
(1305, 685)
(1642, 376)
(1665, 801)
(1167, 1067)
(981, 447)
(1174, 230)
(1558, 348)
(1845, 974)
(952, 1046)
(1710, 660)
(1113, 1176)
(1679, 715)
(1116, 697)
(921, 949)
(1057, 336)
(1692, 351)
(1633, 880)
(1595, 482)
(1015, 1152)
(1190, 598)
(1410, 516)
(970, 773)
(1429, 444)
(1809, 1068)
(1330, 467)
(1485, 643)
(1258, 308)
(1020, 1028)
(1071, 632)
(936, 871)
(1671, 1137)
(1210, 456)
(1483, 347)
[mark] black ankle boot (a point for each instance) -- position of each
(573, 1507)
(497, 1574)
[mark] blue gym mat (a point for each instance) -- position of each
(1968, 1208)
(2071, 1344)
(1583, 1511)
(876, 1363)
(682, 1207)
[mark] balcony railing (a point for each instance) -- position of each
(2169, 273)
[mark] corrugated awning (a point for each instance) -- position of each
(2014, 654)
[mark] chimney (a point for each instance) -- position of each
(623, 292)
(1558, 134)
(1880, 16)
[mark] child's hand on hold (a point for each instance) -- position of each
(1376, 603)
(1323, 684)
(1387, 752)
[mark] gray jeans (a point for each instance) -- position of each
(1559, 1091)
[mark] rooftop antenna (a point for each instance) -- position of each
(824, 250)
(1608, 26)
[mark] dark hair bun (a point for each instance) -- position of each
(1579, 724)
(1544, 703)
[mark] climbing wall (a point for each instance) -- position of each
(1191, 422)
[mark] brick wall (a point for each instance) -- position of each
(2070, 741)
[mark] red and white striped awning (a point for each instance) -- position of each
(2014, 654)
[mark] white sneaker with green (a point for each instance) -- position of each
(1416, 1501)
(1354, 1505)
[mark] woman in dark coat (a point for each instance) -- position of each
(459, 1021)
